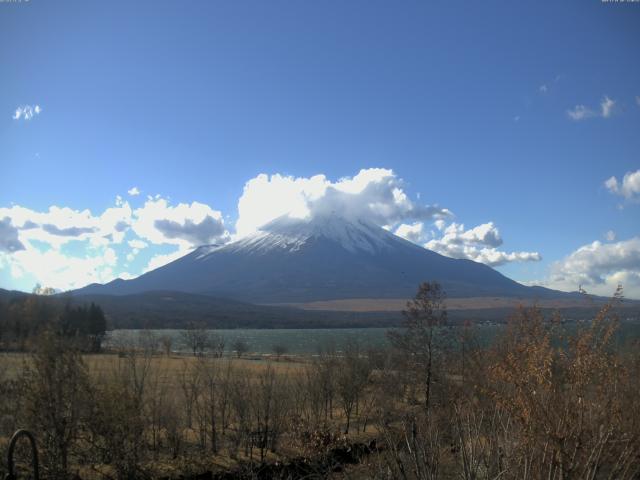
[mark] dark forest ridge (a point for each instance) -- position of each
(176, 310)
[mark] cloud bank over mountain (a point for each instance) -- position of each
(67, 248)
(375, 194)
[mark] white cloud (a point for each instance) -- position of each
(133, 191)
(31, 242)
(610, 236)
(43, 234)
(606, 106)
(56, 226)
(628, 187)
(543, 88)
(612, 184)
(60, 225)
(599, 268)
(137, 243)
(478, 244)
(485, 234)
(580, 112)
(413, 232)
(26, 112)
(57, 270)
(376, 194)
(183, 225)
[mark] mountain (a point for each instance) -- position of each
(328, 257)
(8, 295)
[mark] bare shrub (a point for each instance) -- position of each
(116, 428)
(54, 388)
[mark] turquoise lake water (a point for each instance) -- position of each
(310, 341)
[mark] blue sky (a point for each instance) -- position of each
(510, 115)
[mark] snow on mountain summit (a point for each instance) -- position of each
(324, 257)
(291, 234)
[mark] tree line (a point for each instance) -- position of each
(24, 318)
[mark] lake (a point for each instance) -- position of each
(310, 341)
(261, 341)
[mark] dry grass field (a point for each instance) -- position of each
(172, 397)
(101, 365)
(539, 402)
(470, 303)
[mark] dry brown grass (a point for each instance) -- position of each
(12, 363)
(470, 303)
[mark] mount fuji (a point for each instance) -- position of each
(327, 257)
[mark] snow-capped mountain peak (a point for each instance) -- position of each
(324, 257)
(291, 234)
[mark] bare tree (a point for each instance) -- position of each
(118, 423)
(211, 387)
(269, 409)
(279, 349)
(352, 377)
(240, 401)
(189, 381)
(55, 388)
(196, 338)
(172, 424)
(148, 342)
(216, 344)
(241, 347)
(424, 318)
(156, 402)
(166, 341)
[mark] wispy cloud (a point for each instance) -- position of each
(582, 112)
(606, 106)
(133, 191)
(27, 112)
(550, 85)
(544, 89)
